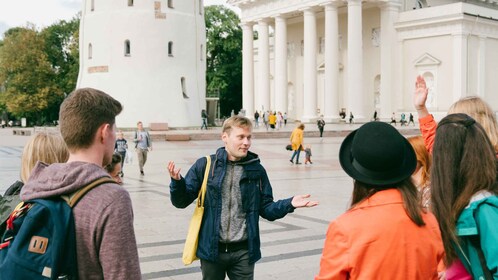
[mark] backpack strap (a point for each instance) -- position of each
(73, 198)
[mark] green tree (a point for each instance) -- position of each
(26, 75)
(61, 47)
(224, 57)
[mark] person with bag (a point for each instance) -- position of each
(106, 247)
(143, 144)
(296, 140)
(238, 192)
(43, 146)
(464, 196)
(385, 234)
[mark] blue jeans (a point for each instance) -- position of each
(296, 154)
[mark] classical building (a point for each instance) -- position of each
(149, 55)
(318, 57)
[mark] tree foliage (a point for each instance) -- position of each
(224, 57)
(37, 68)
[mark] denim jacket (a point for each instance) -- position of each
(257, 200)
(479, 218)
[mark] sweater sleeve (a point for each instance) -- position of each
(428, 129)
(334, 264)
(118, 253)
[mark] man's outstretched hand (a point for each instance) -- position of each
(300, 201)
(175, 174)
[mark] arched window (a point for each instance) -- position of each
(170, 4)
(184, 88)
(170, 48)
(202, 52)
(127, 48)
(130, 3)
(90, 51)
(92, 5)
(201, 7)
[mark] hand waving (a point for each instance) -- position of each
(421, 92)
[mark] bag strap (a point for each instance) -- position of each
(476, 242)
(73, 198)
(202, 193)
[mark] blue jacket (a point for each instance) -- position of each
(479, 218)
(257, 200)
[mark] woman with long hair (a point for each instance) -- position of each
(464, 195)
(421, 175)
(385, 234)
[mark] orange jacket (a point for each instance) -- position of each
(428, 128)
(377, 240)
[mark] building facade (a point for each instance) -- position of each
(149, 55)
(318, 57)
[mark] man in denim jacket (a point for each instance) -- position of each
(238, 192)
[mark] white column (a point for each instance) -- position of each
(388, 14)
(355, 61)
(331, 94)
(280, 50)
(459, 65)
(263, 66)
(247, 69)
(481, 68)
(309, 83)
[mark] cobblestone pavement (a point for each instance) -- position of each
(291, 247)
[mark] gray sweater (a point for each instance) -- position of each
(105, 238)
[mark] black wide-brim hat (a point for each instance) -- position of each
(377, 154)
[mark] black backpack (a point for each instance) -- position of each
(40, 239)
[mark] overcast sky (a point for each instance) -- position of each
(45, 12)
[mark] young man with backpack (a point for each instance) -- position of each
(106, 247)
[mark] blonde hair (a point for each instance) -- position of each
(423, 157)
(46, 147)
(480, 111)
(237, 121)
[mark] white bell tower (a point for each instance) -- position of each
(149, 55)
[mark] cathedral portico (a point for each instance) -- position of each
(362, 56)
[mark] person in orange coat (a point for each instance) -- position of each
(385, 234)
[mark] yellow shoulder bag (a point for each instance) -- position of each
(190, 249)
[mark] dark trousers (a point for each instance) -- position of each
(235, 265)
(123, 155)
(321, 131)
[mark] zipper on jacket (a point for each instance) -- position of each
(232, 171)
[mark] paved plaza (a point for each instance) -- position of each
(291, 247)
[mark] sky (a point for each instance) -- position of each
(43, 13)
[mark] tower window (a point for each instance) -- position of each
(201, 7)
(170, 4)
(170, 48)
(184, 88)
(92, 5)
(127, 48)
(130, 3)
(202, 52)
(90, 51)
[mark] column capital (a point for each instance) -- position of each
(263, 20)
(354, 2)
(246, 24)
(390, 5)
(332, 4)
(311, 9)
(280, 17)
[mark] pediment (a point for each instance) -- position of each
(426, 60)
